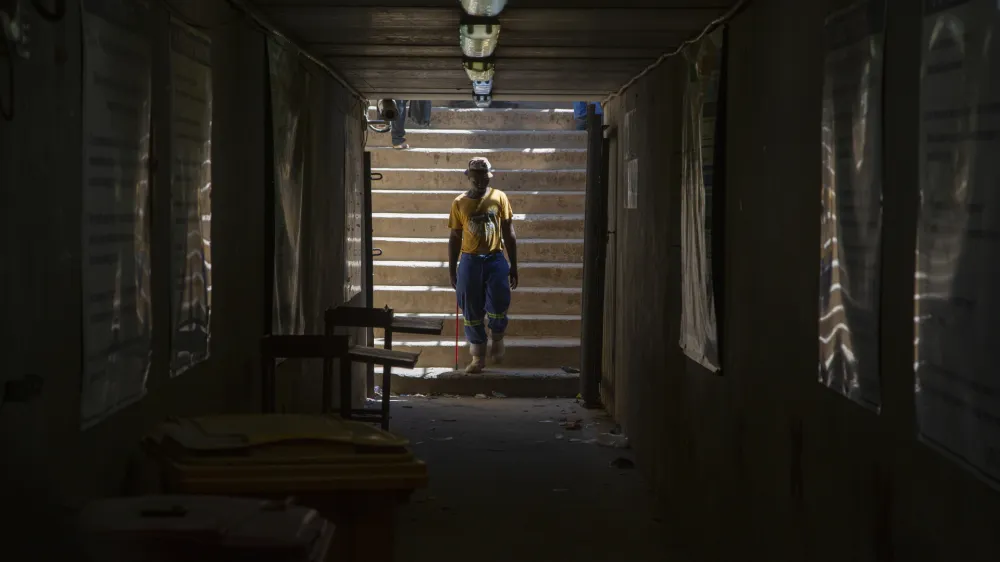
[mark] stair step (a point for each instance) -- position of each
(436, 273)
(570, 179)
(430, 201)
(501, 118)
(436, 225)
(513, 383)
(529, 249)
(528, 325)
(477, 138)
(520, 352)
(441, 299)
(509, 158)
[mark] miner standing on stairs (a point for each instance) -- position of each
(482, 227)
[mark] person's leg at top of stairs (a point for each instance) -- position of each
(399, 126)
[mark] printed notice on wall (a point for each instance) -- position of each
(957, 302)
(699, 334)
(851, 195)
(117, 321)
(191, 196)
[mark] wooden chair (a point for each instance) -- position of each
(274, 347)
(384, 318)
(327, 347)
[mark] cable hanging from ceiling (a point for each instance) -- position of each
(738, 7)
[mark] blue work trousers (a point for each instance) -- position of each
(483, 291)
(399, 123)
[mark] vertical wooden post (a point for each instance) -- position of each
(369, 268)
(594, 255)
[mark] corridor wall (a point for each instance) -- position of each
(51, 465)
(761, 460)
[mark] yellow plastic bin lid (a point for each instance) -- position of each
(281, 454)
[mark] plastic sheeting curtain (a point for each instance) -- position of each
(956, 307)
(289, 91)
(354, 195)
(191, 195)
(851, 195)
(318, 136)
(699, 335)
(117, 323)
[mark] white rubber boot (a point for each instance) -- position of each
(478, 363)
(497, 350)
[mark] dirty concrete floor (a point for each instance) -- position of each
(504, 487)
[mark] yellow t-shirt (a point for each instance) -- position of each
(479, 221)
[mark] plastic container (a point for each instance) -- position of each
(354, 474)
(191, 528)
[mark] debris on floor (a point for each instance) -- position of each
(574, 425)
(622, 462)
(505, 474)
(571, 371)
(615, 441)
(499, 394)
(481, 396)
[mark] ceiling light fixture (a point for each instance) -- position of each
(482, 100)
(483, 7)
(482, 87)
(478, 37)
(479, 69)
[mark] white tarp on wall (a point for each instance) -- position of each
(117, 323)
(851, 195)
(957, 308)
(699, 334)
(191, 196)
(289, 91)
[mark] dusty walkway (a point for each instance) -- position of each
(504, 487)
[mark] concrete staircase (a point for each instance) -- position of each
(540, 162)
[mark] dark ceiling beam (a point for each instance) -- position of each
(403, 38)
(500, 94)
(614, 66)
(512, 4)
(501, 82)
(503, 51)
(326, 20)
(547, 47)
